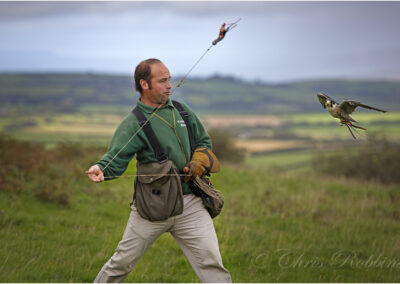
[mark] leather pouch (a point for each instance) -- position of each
(212, 199)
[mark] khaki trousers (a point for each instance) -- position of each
(194, 232)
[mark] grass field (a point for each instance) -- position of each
(281, 221)
(287, 160)
(276, 226)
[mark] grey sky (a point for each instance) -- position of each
(275, 41)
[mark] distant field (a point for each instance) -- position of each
(289, 160)
(50, 129)
(254, 133)
(299, 131)
(258, 145)
(242, 120)
(324, 117)
(309, 118)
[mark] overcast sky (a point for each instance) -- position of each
(274, 41)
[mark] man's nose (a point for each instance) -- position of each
(169, 86)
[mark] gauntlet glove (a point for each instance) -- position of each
(203, 161)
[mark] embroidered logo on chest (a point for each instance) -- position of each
(181, 123)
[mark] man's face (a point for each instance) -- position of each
(159, 90)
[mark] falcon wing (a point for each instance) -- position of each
(322, 99)
(349, 106)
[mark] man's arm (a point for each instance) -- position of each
(119, 154)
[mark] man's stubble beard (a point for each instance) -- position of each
(161, 99)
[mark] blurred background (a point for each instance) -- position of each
(276, 41)
(305, 202)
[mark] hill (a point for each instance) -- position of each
(216, 94)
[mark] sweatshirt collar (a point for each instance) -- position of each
(149, 109)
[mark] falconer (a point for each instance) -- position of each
(190, 223)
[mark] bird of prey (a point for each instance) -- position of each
(343, 110)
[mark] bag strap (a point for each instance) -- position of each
(148, 130)
(185, 116)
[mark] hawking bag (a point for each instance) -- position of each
(152, 202)
(158, 191)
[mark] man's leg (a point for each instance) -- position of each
(138, 237)
(195, 234)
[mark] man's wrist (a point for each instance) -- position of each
(101, 168)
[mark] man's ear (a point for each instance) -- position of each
(144, 84)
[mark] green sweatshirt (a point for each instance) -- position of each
(175, 142)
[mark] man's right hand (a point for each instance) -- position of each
(203, 160)
(95, 174)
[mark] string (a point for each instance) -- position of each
(232, 25)
(152, 175)
(187, 74)
(133, 136)
(155, 111)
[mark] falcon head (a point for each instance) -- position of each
(325, 100)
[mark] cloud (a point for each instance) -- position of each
(31, 9)
(274, 41)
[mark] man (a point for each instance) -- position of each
(193, 229)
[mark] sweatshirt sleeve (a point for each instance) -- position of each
(121, 150)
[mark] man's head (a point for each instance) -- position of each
(143, 72)
(152, 80)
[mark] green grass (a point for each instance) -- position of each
(281, 160)
(325, 118)
(281, 221)
(321, 126)
(275, 227)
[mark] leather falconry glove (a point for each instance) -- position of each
(203, 161)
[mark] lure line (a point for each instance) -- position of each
(222, 32)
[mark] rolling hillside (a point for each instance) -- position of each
(111, 93)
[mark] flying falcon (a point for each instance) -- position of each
(343, 110)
